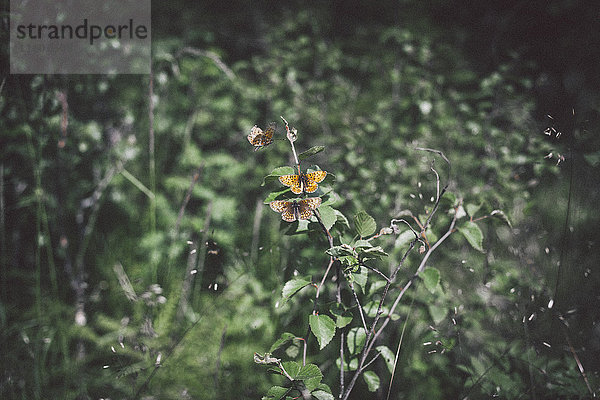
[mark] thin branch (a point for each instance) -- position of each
(360, 310)
(292, 135)
(371, 361)
(579, 364)
(213, 56)
(398, 350)
(376, 271)
(372, 335)
(324, 276)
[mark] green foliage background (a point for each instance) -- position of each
(370, 81)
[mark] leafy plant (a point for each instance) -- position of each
(359, 321)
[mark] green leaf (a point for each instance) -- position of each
(323, 327)
(274, 195)
(327, 216)
(322, 395)
(277, 392)
(472, 209)
(356, 339)
(348, 366)
(340, 251)
(431, 278)
(276, 173)
(388, 357)
(361, 276)
(292, 286)
(373, 252)
(362, 244)
(404, 238)
(341, 219)
(364, 224)
(470, 230)
(372, 307)
(310, 152)
(291, 367)
(283, 339)
(437, 313)
(500, 215)
(311, 375)
(309, 371)
(372, 380)
(342, 317)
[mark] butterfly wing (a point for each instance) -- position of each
(268, 134)
(259, 139)
(311, 179)
(286, 208)
(254, 135)
(293, 181)
(306, 207)
(317, 176)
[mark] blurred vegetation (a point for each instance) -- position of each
(137, 271)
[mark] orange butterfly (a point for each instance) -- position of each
(260, 139)
(296, 209)
(304, 182)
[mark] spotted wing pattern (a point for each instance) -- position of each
(286, 208)
(311, 179)
(293, 181)
(295, 209)
(305, 182)
(306, 207)
(259, 138)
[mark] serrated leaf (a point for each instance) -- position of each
(322, 395)
(323, 327)
(291, 367)
(500, 215)
(309, 371)
(388, 357)
(342, 317)
(310, 152)
(372, 380)
(470, 230)
(277, 392)
(292, 286)
(356, 339)
(431, 278)
(283, 339)
(322, 386)
(364, 224)
(327, 216)
(276, 173)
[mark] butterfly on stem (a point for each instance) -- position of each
(292, 210)
(306, 183)
(259, 138)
